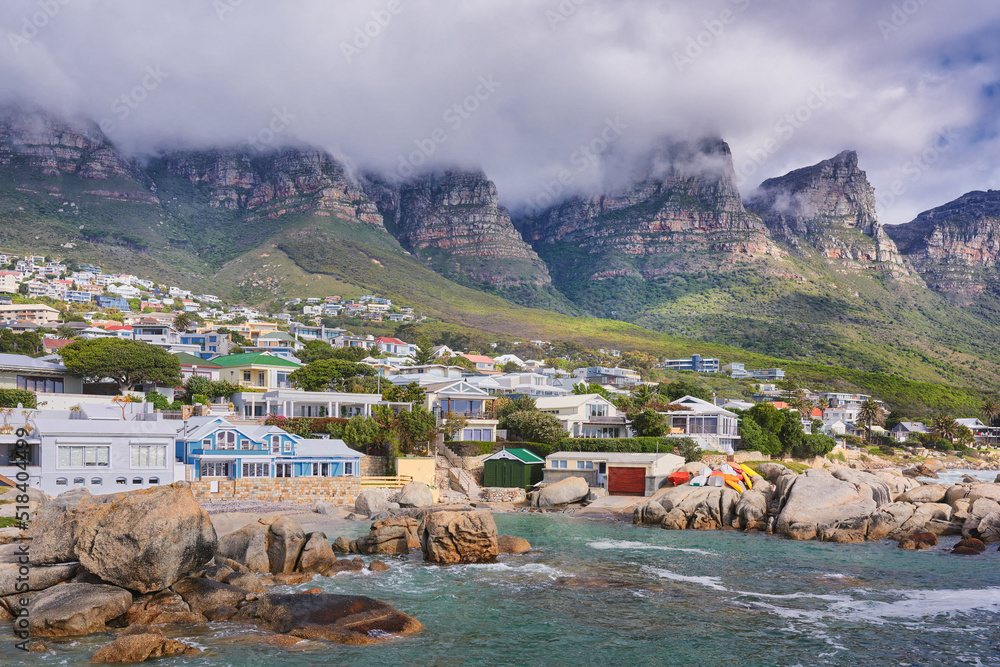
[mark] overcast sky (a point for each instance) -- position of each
(912, 85)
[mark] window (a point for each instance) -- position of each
(154, 480)
(321, 470)
(287, 446)
(477, 434)
(585, 465)
(247, 376)
(282, 469)
(61, 481)
(226, 440)
(122, 481)
(261, 378)
(206, 443)
(80, 456)
(349, 467)
(215, 468)
(78, 481)
(559, 464)
(244, 444)
(149, 456)
(46, 385)
(275, 444)
(597, 410)
(256, 469)
(137, 480)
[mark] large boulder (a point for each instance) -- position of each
(76, 609)
(925, 493)
(896, 481)
(650, 512)
(772, 471)
(888, 520)
(317, 554)
(459, 537)
(138, 643)
(416, 494)
(15, 556)
(817, 499)
(988, 491)
(509, 544)
(371, 501)
(342, 618)
(989, 528)
(877, 487)
(269, 545)
(141, 540)
(751, 510)
(203, 595)
(390, 536)
(569, 490)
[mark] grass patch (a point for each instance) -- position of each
(8, 522)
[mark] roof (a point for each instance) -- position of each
(191, 360)
(479, 358)
(916, 427)
(24, 361)
(614, 457)
(522, 455)
(98, 427)
(254, 358)
(570, 401)
(386, 339)
(970, 422)
(325, 447)
(277, 335)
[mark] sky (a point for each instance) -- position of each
(544, 95)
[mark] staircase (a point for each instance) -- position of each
(461, 479)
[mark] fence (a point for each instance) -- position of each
(393, 482)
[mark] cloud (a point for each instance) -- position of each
(394, 83)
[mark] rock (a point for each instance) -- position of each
(989, 491)
(377, 566)
(926, 493)
(141, 540)
(509, 544)
(285, 541)
(390, 536)
(751, 510)
(341, 618)
(989, 528)
(416, 494)
(889, 520)
(223, 613)
(933, 465)
(247, 581)
(327, 508)
(342, 545)
(372, 501)
(292, 578)
(204, 594)
(997, 480)
(230, 563)
(163, 608)
(651, 513)
(459, 537)
(353, 565)
(960, 509)
(817, 498)
(316, 555)
(569, 490)
(878, 489)
(141, 643)
(772, 471)
(216, 572)
(918, 541)
(982, 507)
(76, 609)
(966, 479)
(846, 531)
(895, 480)
(419, 513)
(694, 467)
(39, 576)
(965, 551)
(972, 543)
(956, 492)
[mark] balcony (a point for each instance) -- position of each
(618, 421)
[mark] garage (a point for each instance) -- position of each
(626, 481)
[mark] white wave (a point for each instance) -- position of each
(834, 575)
(923, 604)
(626, 544)
(715, 583)
(525, 569)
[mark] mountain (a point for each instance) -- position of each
(956, 247)
(830, 207)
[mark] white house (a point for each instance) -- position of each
(711, 427)
(622, 474)
(585, 415)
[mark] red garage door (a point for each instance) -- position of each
(626, 481)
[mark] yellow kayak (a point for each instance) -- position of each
(749, 473)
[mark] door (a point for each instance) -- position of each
(626, 481)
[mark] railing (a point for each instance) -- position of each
(605, 420)
(394, 482)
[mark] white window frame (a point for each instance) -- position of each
(256, 470)
(283, 470)
(215, 468)
(138, 450)
(85, 465)
(349, 467)
(275, 444)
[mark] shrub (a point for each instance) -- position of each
(9, 398)
(158, 400)
(535, 426)
(689, 449)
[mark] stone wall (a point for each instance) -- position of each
(738, 457)
(373, 466)
(500, 495)
(340, 490)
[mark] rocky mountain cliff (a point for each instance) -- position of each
(830, 207)
(454, 221)
(956, 247)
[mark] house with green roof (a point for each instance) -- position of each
(513, 468)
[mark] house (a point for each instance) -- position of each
(617, 377)
(31, 312)
(218, 449)
(118, 303)
(53, 345)
(739, 371)
(482, 363)
(837, 400)
(442, 351)
(42, 375)
(395, 347)
(505, 359)
(529, 384)
(620, 473)
(427, 374)
(711, 427)
(585, 415)
(100, 455)
(278, 343)
(10, 281)
(256, 370)
(461, 399)
(513, 468)
(299, 403)
(695, 363)
(985, 436)
(196, 366)
(212, 343)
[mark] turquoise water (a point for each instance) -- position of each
(615, 594)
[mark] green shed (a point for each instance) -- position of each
(513, 468)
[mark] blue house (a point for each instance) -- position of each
(118, 303)
(217, 448)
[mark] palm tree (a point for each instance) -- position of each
(945, 427)
(990, 410)
(183, 321)
(870, 413)
(823, 404)
(643, 394)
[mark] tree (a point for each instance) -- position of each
(505, 406)
(236, 336)
(416, 428)
(424, 354)
(945, 427)
(125, 362)
(756, 439)
(649, 424)
(584, 388)
(315, 350)
(682, 388)
(870, 413)
(328, 374)
(453, 425)
(459, 360)
(361, 433)
(689, 449)
(533, 426)
(511, 367)
(183, 321)
(411, 393)
(644, 394)
(990, 410)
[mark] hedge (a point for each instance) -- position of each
(304, 426)
(9, 398)
(624, 445)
